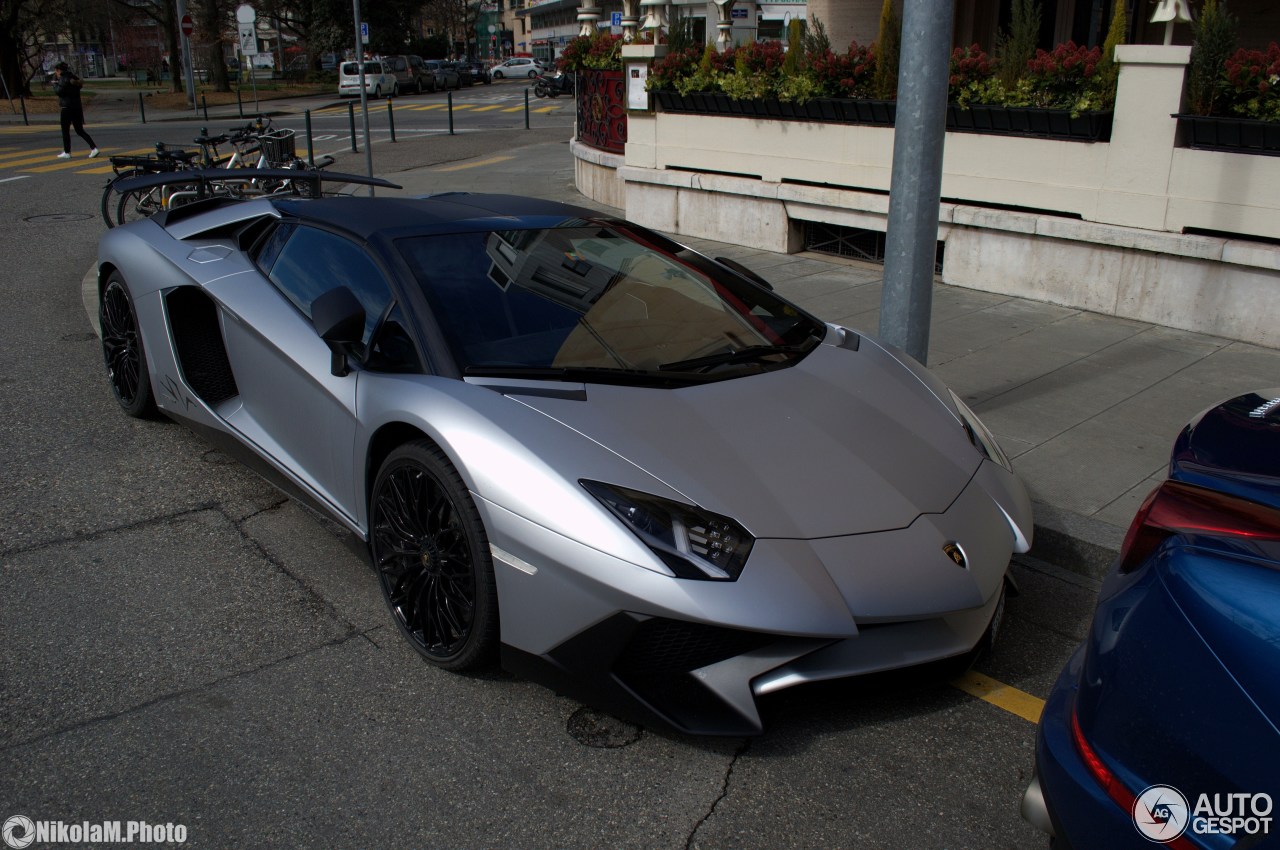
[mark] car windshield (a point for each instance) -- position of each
(601, 303)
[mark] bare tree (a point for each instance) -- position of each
(164, 14)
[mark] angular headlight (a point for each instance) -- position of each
(694, 543)
(982, 439)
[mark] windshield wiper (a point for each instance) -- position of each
(748, 354)
(584, 374)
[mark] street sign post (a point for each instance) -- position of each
(247, 25)
(364, 34)
(187, 26)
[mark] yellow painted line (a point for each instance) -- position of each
(1000, 695)
(486, 108)
(490, 161)
(514, 109)
(78, 160)
(425, 108)
(27, 152)
(548, 109)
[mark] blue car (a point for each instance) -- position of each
(1163, 726)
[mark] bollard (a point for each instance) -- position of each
(450, 94)
(22, 99)
(239, 104)
(526, 109)
(311, 144)
(204, 104)
(351, 118)
(391, 120)
(142, 109)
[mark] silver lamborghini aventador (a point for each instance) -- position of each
(633, 472)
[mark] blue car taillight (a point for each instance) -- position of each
(1178, 508)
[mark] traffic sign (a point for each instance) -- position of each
(246, 14)
(187, 26)
(615, 20)
(249, 39)
(364, 33)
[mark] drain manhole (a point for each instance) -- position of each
(56, 217)
(593, 728)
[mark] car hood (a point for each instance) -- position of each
(844, 442)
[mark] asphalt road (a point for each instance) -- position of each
(180, 644)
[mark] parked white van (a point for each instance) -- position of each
(377, 80)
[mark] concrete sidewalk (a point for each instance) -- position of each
(1087, 406)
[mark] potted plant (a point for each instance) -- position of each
(596, 61)
(1243, 112)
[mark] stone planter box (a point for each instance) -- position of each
(1235, 135)
(999, 120)
(1031, 121)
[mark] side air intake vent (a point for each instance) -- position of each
(202, 354)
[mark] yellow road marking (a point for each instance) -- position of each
(1001, 695)
(486, 108)
(425, 108)
(476, 164)
(548, 109)
(27, 152)
(77, 160)
(514, 109)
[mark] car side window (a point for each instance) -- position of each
(392, 349)
(312, 261)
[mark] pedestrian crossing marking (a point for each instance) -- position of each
(28, 152)
(485, 108)
(425, 108)
(76, 161)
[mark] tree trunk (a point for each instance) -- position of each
(210, 24)
(170, 25)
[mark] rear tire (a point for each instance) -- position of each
(122, 350)
(111, 198)
(431, 554)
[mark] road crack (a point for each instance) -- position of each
(724, 792)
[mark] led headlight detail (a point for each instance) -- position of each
(694, 543)
(982, 439)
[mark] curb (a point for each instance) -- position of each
(1075, 542)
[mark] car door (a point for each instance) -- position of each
(292, 408)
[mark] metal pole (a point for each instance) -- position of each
(239, 102)
(391, 120)
(915, 188)
(26, 122)
(142, 110)
(253, 79)
(204, 104)
(450, 96)
(351, 119)
(186, 58)
(311, 144)
(526, 109)
(364, 98)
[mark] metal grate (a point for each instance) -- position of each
(202, 356)
(853, 242)
(660, 645)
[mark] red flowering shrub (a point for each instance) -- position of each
(848, 74)
(600, 52)
(970, 64)
(1253, 78)
(1062, 78)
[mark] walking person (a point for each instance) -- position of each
(66, 86)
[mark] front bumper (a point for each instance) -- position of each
(695, 655)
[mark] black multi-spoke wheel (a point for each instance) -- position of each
(122, 349)
(432, 558)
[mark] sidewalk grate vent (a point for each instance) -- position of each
(854, 243)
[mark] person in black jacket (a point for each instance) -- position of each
(66, 86)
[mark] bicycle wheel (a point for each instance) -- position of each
(144, 203)
(110, 198)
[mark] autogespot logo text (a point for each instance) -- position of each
(21, 832)
(1162, 814)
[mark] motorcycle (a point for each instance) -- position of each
(554, 85)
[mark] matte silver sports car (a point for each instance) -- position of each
(634, 471)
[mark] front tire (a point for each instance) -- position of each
(122, 350)
(497, 75)
(431, 553)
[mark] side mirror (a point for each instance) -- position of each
(338, 317)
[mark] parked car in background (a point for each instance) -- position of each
(425, 76)
(377, 80)
(518, 66)
(463, 70)
(1173, 700)
(406, 78)
(446, 76)
(480, 72)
